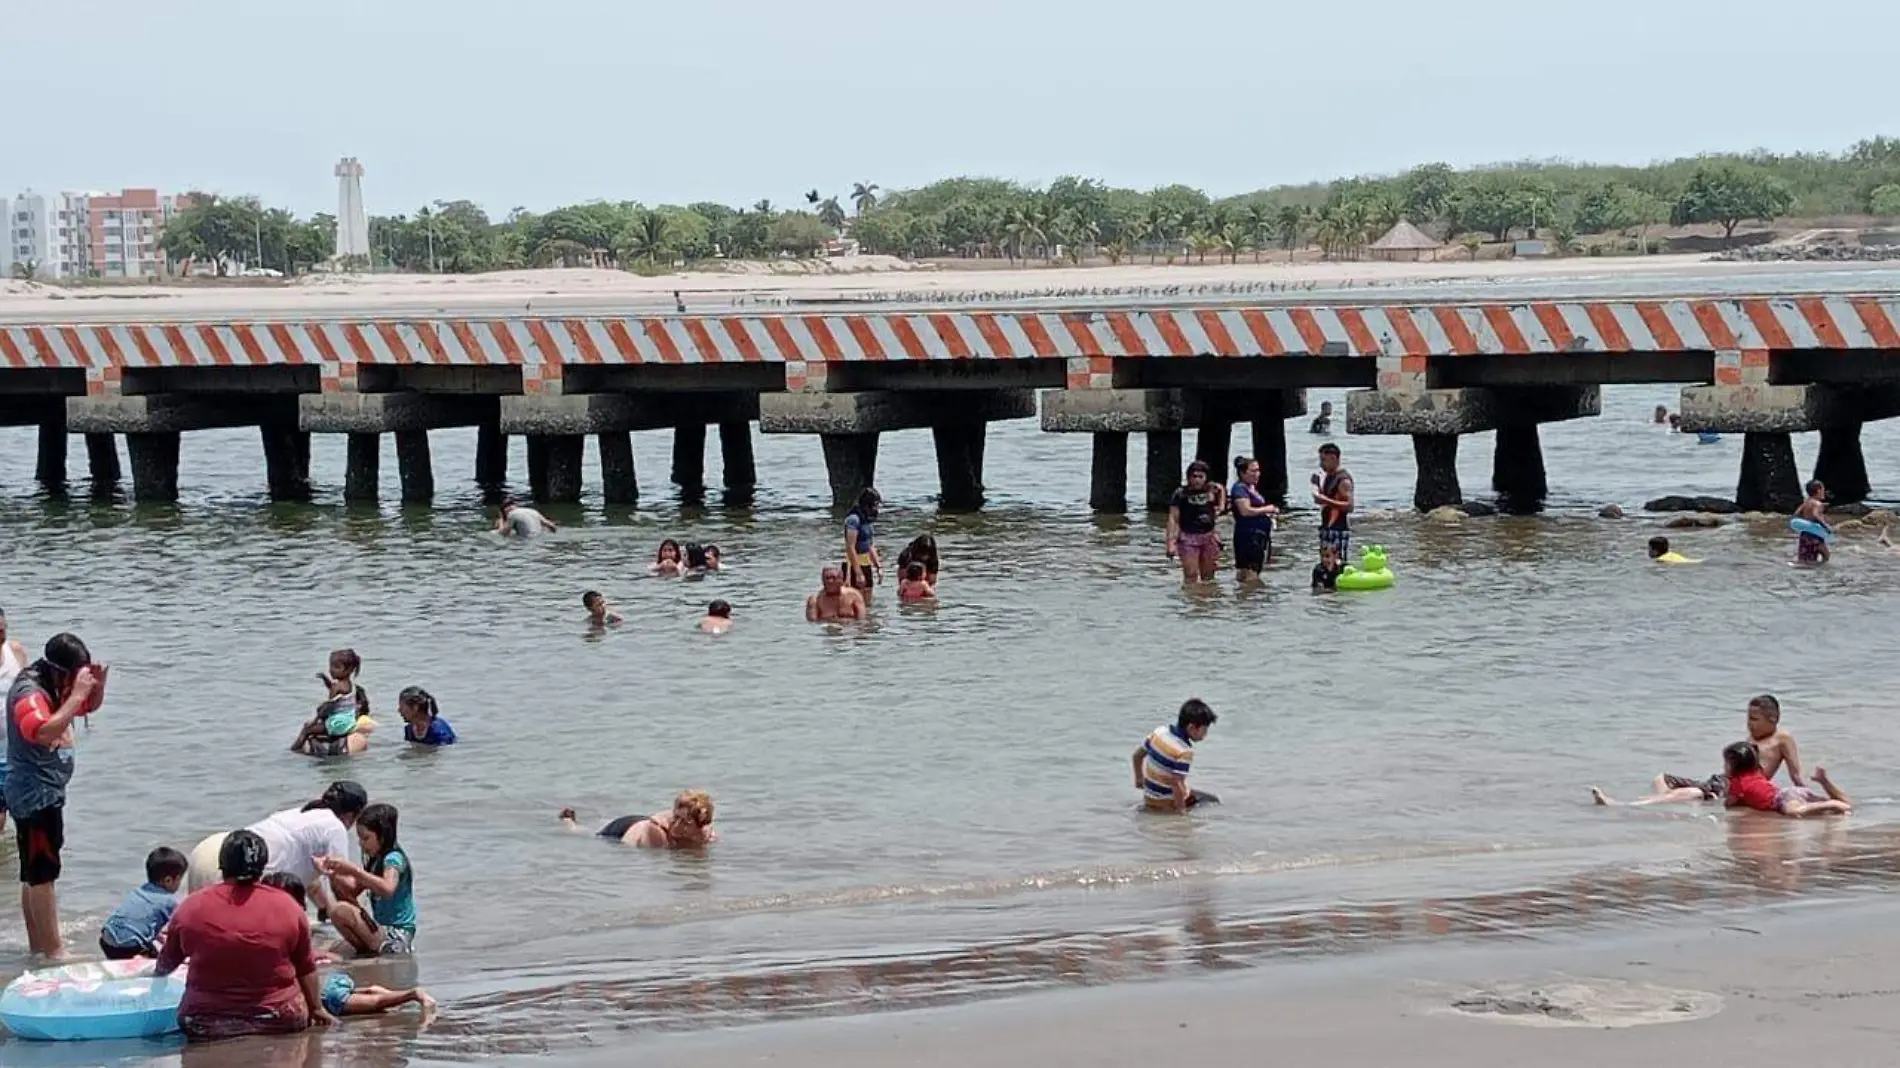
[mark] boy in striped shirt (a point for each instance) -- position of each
(1162, 762)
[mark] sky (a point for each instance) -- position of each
(516, 103)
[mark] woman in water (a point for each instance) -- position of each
(667, 561)
(1253, 521)
(1191, 534)
(422, 722)
(687, 826)
(861, 563)
(921, 550)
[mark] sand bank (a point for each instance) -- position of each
(1802, 983)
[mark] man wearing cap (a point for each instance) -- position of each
(40, 708)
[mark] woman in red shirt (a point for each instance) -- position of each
(252, 971)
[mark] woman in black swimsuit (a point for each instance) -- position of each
(1191, 534)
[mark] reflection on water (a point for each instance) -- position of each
(941, 792)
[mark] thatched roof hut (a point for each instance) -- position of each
(1405, 242)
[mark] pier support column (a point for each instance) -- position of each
(620, 482)
(1769, 482)
(50, 467)
(1269, 448)
(1437, 459)
(850, 465)
(740, 472)
(154, 457)
(561, 468)
(363, 468)
(1841, 466)
(538, 467)
(1212, 446)
(286, 461)
(960, 465)
(102, 460)
(689, 461)
(415, 467)
(1108, 471)
(1164, 468)
(491, 456)
(1517, 469)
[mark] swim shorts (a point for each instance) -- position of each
(1808, 549)
(1713, 787)
(40, 838)
(859, 577)
(1806, 795)
(397, 941)
(1340, 539)
(113, 952)
(1196, 544)
(337, 989)
(1251, 551)
(207, 1026)
(328, 747)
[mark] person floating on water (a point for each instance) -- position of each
(1332, 491)
(1675, 423)
(1192, 538)
(1326, 572)
(1162, 761)
(862, 566)
(718, 618)
(688, 825)
(599, 612)
(137, 926)
(422, 722)
(1323, 422)
(519, 521)
(1253, 521)
(834, 602)
(1812, 548)
(668, 561)
(915, 583)
(1660, 552)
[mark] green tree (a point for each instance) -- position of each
(1291, 222)
(649, 238)
(1426, 191)
(1725, 192)
(1885, 200)
(831, 213)
(798, 233)
(864, 196)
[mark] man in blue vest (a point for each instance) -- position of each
(40, 708)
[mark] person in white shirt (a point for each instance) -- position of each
(296, 837)
(520, 521)
(13, 661)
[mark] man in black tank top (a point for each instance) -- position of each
(1332, 491)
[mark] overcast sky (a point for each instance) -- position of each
(543, 102)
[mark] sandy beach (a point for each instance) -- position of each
(1801, 982)
(553, 290)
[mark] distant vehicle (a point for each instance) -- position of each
(261, 272)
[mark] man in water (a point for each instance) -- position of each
(836, 602)
(41, 705)
(599, 612)
(1323, 422)
(1332, 491)
(718, 618)
(1812, 548)
(520, 521)
(1162, 762)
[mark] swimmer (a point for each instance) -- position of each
(1326, 572)
(520, 521)
(713, 558)
(1163, 760)
(668, 560)
(688, 825)
(695, 558)
(915, 585)
(1660, 552)
(1675, 423)
(921, 550)
(1191, 536)
(1662, 415)
(422, 722)
(1323, 422)
(718, 618)
(835, 602)
(1812, 548)
(599, 612)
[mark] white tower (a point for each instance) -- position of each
(352, 222)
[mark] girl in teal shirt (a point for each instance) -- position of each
(389, 927)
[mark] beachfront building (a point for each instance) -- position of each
(86, 234)
(1405, 242)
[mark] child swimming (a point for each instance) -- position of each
(718, 618)
(1660, 552)
(599, 612)
(915, 585)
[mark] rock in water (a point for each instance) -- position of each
(1610, 511)
(1698, 520)
(1712, 505)
(1445, 514)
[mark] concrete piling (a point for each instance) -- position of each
(620, 482)
(689, 461)
(1437, 459)
(286, 461)
(491, 456)
(1769, 481)
(1841, 466)
(1108, 471)
(740, 472)
(1164, 468)
(154, 456)
(102, 461)
(1269, 448)
(414, 467)
(1517, 469)
(362, 471)
(850, 465)
(50, 466)
(960, 465)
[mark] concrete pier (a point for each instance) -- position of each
(1436, 485)
(1164, 470)
(1841, 466)
(49, 467)
(1436, 417)
(959, 465)
(154, 456)
(1269, 448)
(740, 471)
(1108, 471)
(414, 467)
(363, 468)
(1112, 413)
(849, 424)
(1213, 447)
(286, 461)
(620, 482)
(102, 461)
(491, 456)
(554, 467)
(689, 461)
(1517, 469)
(850, 465)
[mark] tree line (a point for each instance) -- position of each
(1075, 218)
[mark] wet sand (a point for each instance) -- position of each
(1795, 983)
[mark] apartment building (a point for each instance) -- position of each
(88, 234)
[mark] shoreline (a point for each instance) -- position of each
(1784, 982)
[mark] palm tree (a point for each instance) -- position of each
(646, 239)
(1258, 222)
(763, 207)
(1290, 221)
(1160, 224)
(1019, 228)
(864, 196)
(831, 214)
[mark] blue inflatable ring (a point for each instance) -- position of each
(95, 1000)
(1810, 527)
